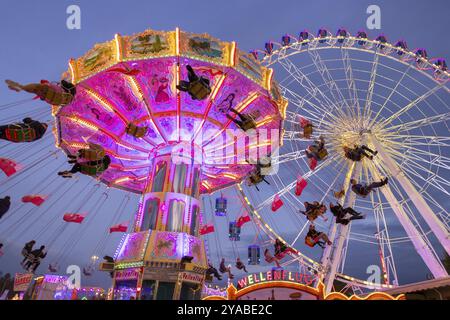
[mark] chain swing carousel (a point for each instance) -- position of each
(136, 100)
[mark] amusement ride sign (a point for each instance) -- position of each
(22, 281)
(129, 274)
(275, 275)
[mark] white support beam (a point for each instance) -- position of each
(332, 255)
(422, 206)
(419, 243)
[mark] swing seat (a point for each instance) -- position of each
(55, 95)
(95, 152)
(136, 131)
(323, 153)
(248, 125)
(339, 194)
(16, 133)
(199, 90)
(307, 131)
(92, 170)
(310, 242)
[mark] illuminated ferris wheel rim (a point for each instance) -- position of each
(438, 76)
(329, 42)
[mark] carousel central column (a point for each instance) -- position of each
(174, 260)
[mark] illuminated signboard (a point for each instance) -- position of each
(128, 274)
(190, 277)
(22, 281)
(275, 275)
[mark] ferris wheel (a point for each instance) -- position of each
(358, 91)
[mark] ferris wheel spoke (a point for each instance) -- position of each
(287, 157)
(304, 81)
(370, 89)
(442, 213)
(436, 141)
(434, 180)
(300, 101)
(416, 124)
(388, 99)
(412, 104)
(351, 83)
(327, 78)
(415, 155)
(291, 185)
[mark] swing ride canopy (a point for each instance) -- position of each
(132, 79)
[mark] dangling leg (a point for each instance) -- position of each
(351, 211)
(14, 85)
(31, 88)
(376, 184)
(361, 151)
(191, 74)
(324, 237)
(241, 116)
(369, 150)
(68, 174)
(183, 86)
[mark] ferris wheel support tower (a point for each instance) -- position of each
(332, 256)
(424, 209)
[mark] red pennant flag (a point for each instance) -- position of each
(312, 163)
(242, 220)
(121, 227)
(8, 166)
(300, 186)
(277, 203)
(207, 228)
(74, 217)
(35, 199)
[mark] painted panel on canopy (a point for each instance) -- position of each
(235, 89)
(116, 88)
(148, 44)
(85, 107)
(168, 126)
(100, 57)
(157, 79)
(71, 133)
(204, 47)
(247, 64)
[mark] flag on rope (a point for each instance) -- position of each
(74, 217)
(207, 228)
(242, 220)
(8, 166)
(121, 227)
(35, 199)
